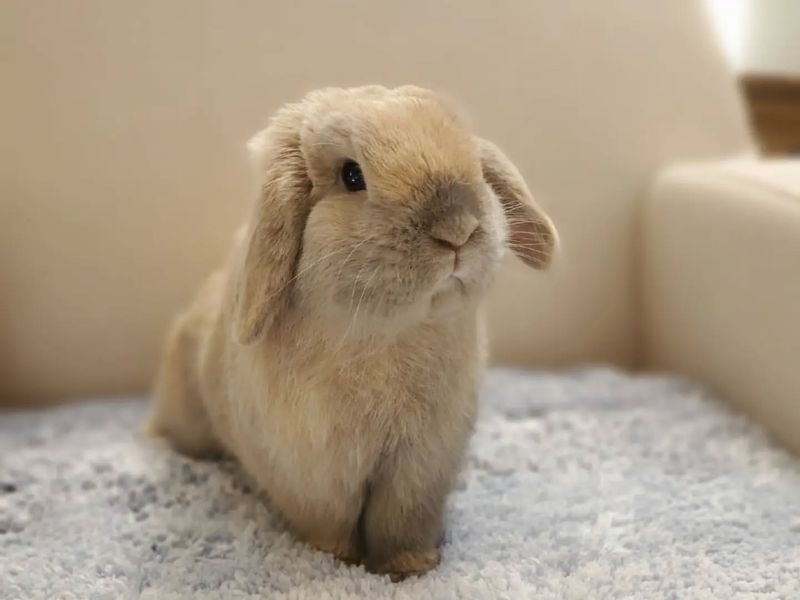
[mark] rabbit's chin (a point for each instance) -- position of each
(449, 298)
(451, 295)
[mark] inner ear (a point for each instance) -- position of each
(532, 236)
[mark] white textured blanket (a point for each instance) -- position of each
(587, 484)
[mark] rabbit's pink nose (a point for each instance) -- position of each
(455, 240)
(456, 234)
(445, 243)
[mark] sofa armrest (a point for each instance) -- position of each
(721, 284)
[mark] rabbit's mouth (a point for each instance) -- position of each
(459, 284)
(453, 283)
(449, 295)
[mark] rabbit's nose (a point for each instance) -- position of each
(454, 235)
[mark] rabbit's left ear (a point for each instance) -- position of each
(533, 237)
(274, 236)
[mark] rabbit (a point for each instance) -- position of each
(338, 353)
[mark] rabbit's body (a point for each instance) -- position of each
(346, 383)
(314, 417)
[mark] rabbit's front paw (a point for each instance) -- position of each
(412, 562)
(343, 549)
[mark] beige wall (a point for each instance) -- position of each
(122, 172)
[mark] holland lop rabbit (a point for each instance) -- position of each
(337, 355)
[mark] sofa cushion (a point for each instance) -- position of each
(721, 283)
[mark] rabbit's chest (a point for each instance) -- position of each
(309, 445)
(338, 427)
(330, 421)
(330, 428)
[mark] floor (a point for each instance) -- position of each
(584, 484)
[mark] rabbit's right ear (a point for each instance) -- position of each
(274, 234)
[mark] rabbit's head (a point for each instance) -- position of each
(377, 210)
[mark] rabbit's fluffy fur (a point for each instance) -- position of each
(338, 354)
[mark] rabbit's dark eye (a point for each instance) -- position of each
(352, 177)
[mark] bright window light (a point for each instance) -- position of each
(730, 17)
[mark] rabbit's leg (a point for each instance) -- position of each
(328, 524)
(178, 411)
(402, 521)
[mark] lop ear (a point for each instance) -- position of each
(533, 237)
(274, 235)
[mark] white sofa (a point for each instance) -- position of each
(721, 283)
(121, 120)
